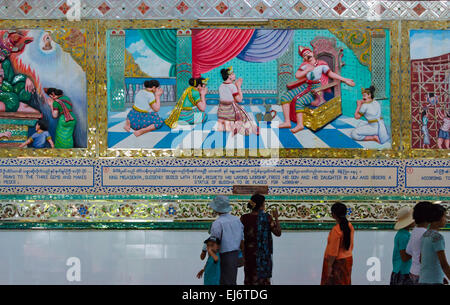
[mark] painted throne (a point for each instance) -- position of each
(324, 48)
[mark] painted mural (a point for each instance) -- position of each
(430, 88)
(43, 89)
(248, 88)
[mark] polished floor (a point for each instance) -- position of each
(334, 135)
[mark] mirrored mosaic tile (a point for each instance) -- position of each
(189, 210)
(194, 9)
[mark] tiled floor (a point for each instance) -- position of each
(334, 135)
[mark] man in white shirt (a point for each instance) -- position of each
(230, 230)
(143, 116)
(420, 215)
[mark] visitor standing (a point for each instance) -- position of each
(420, 215)
(338, 258)
(401, 261)
(229, 230)
(258, 246)
(212, 268)
(434, 266)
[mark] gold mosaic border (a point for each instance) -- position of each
(394, 152)
(91, 70)
(405, 80)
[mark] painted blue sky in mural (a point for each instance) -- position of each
(148, 61)
(429, 43)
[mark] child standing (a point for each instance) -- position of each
(212, 267)
(434, 266)
(40, 137)
(420, 215)
(401, 261)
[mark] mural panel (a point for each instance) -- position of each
(206, 89)
(43, 94)
(430, 88)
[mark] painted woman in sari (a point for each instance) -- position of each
(62, 110)
(231, 116)
(190, 108)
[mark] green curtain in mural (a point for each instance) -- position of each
(163, 43)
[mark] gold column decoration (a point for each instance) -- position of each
(72, 41)
(132, 69)
(359, 41)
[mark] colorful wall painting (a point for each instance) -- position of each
(225, 88)
(430, 88)
(43, 101)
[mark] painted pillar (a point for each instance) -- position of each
(184, 60)
(285, 73)
(115, 59)
(378, 47)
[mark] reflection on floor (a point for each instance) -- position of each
(334, 135)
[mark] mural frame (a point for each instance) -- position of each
(394, 152)
(91, 71)
(405, 79)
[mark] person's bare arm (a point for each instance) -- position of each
(444, 263)
(405, 256)
(52, 145)
(156, 105)
(203, 255)
(358, 115)
(213, 255)
(302, 73)
(25, 144)
(276, 229)
(348, 81)
(330, 262)
(202, 104)
(238, 97)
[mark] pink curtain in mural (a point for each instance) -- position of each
(212, 48)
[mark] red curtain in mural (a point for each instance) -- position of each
(212, 48)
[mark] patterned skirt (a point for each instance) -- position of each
(139, 120)
(193, 116)
(226, 111)
(341, 273)
(303, 101)
(64, 132)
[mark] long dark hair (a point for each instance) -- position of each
(340, 211)
(259, 200)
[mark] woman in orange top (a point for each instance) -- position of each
(338, 260)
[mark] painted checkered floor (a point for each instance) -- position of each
(334, 135)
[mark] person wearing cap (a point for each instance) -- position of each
(420, 215)
(311, 75)
(211, 271)
(401, 261)
(230, 231)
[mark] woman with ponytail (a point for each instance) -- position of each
(258, 249)
(338, 259)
